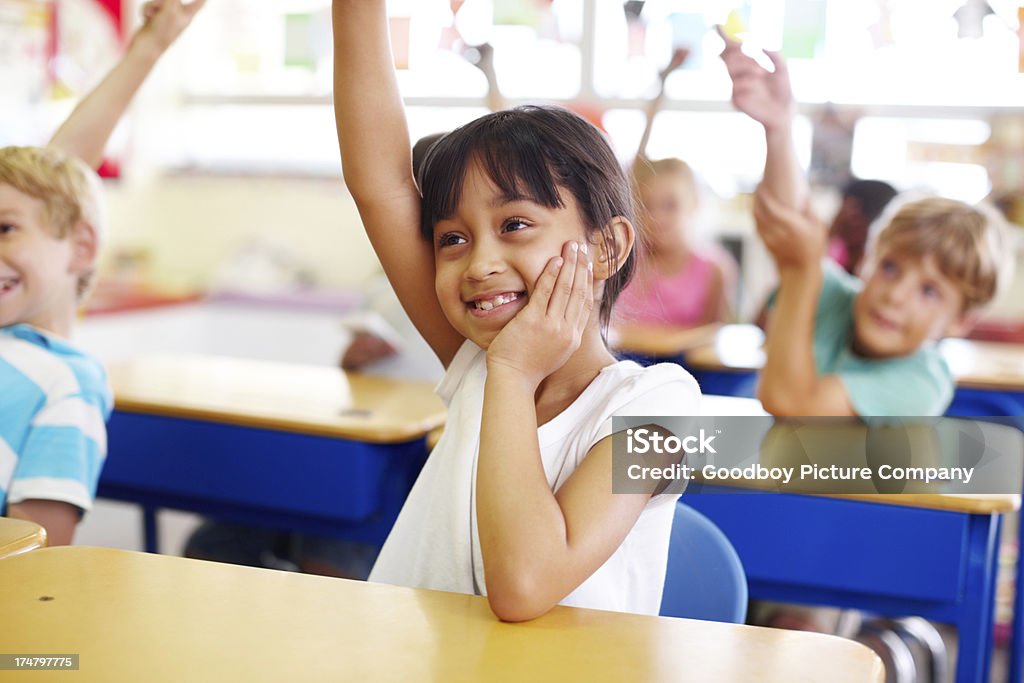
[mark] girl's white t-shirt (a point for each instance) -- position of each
(434, 543)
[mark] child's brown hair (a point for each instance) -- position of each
(968, 242)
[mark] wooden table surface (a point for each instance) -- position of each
(19, 536)
(985, 365)
(661, 340)
(308, 399)
(134, 616)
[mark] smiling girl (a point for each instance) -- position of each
(523, 228)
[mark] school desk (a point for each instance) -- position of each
(723, 358)
(990, 381)
(931, 555)
(19, 536)
(661, 341)
(294, 447)
(133, 616)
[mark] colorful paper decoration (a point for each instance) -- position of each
(803, 31)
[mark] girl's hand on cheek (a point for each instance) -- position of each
(548, 330)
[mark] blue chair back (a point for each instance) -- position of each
(705, 578)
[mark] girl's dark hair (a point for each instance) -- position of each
(529, 152)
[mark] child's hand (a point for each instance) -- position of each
(765, 96)
(164, 21)
(366, 348)
(542, 336)
(795, 239)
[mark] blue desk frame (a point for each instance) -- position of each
(889, 559)
(741, 383)
(974, 402)
(277, 479)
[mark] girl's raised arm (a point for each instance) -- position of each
(377, 164)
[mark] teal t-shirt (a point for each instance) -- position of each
(918, 384)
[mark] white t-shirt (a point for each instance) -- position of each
(434, 543)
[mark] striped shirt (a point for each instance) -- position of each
(54, 403)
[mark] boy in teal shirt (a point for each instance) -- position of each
(839, 346)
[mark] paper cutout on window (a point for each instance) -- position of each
(803, 31)
(736, 22)
(970, 18)
(688, 31)
(519, 12)
(636, 27)
(1020, 37)
(307, 39)
(881, 30)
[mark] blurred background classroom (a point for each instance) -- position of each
(231, 231)
(225, 176)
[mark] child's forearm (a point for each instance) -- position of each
(523, 532)
(58, 518)
(783, 176)
(789, 374)
(372, 131)
(86, 131)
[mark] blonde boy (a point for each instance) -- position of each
(55, 400)
(837, 345)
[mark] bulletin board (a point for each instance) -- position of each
(27, 44)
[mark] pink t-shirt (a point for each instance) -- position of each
(838, 252)
(678, 299)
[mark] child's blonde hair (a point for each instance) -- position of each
(644, 170)
(69, 190)
(968, 242)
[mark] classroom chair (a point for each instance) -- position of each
(704, 578)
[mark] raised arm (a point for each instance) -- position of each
(377, 164)
(767, 97)
(87, 129)
(790, 384)
(679, 56)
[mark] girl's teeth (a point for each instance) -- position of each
(496, 301)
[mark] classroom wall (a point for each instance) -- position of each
(187, 226)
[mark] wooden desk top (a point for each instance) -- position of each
(19, 536)
(307, 399)
(716, 406)
(133, 616)
(661, 340)
(974, 503)
(985, 365)
(734, 348)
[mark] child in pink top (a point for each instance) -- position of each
(678, 283)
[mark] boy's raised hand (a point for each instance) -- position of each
(164, 21)
(86, 131)
(549, 329)
(763, 95)
(795, 239)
